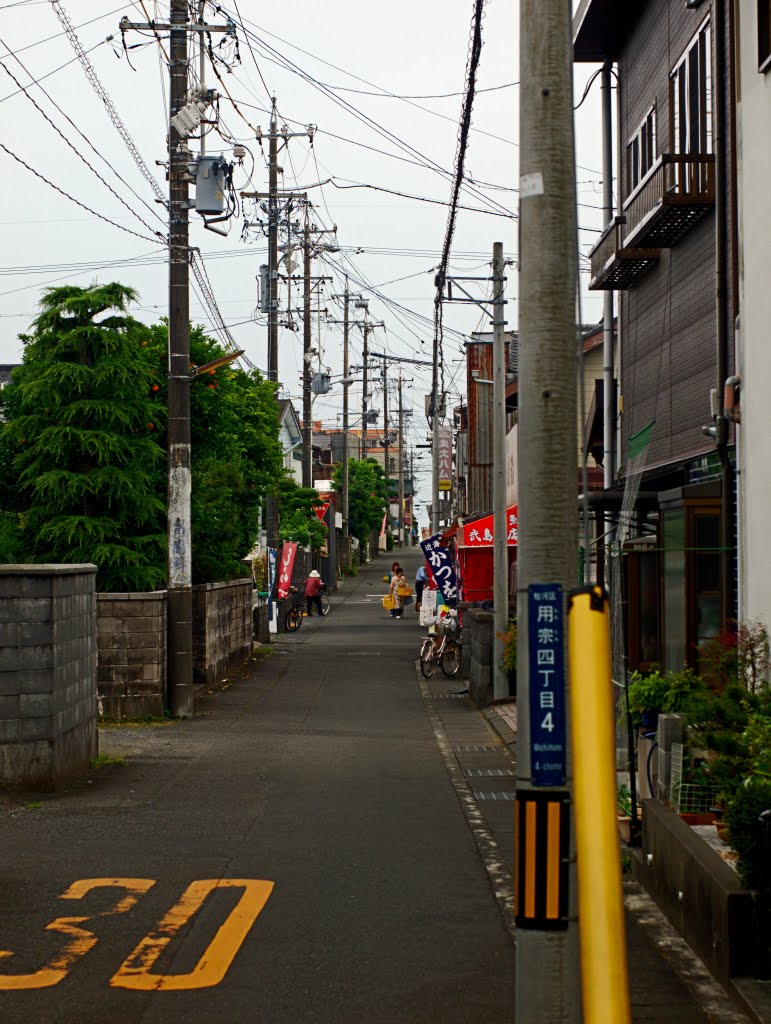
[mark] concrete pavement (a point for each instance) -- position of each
(374, 810)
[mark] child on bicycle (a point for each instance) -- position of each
(313, 587)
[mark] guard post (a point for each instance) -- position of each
(602, 934)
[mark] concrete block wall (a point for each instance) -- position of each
(222, 628)
(478, 636)
(47, 674)
(131, 640)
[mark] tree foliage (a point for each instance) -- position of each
(297, 518)
(366, 496)
(235, 451)
(83, 452)
(80, 425)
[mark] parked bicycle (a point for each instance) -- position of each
(442, 649)
(294, 615)
(296, 611)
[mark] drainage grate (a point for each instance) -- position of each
(495, 796)
(474, 748)
(489, 772)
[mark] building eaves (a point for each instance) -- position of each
(600, 28)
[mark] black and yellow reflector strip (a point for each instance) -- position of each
(542, 832)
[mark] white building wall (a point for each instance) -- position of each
(754, 346)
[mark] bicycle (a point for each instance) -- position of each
(294, 615)
(446, 653)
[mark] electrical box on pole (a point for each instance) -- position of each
(210, 184)
(264, 280)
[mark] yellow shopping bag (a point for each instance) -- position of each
(388, 602)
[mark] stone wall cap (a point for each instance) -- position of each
(146, 595)
(240, 582)
(47, 569)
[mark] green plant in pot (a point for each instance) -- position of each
(509, 654)
(647, 695)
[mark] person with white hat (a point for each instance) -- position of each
(313, 588)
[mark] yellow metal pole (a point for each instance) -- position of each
(600, 902)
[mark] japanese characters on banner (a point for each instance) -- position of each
(288, 552)
(441, 564)
(548, 747)
(479, 534)
(272, 623)
(445, 459)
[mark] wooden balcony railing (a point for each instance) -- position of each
(614, 267)
(675, 194)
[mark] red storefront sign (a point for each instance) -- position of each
(479, 534)
(288, 551)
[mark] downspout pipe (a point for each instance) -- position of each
(721, 137)
(608, 380)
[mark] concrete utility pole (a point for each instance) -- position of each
(547, 988)
(365, 359)
(385, 422)
(346, 385)
(500, 528)
(180, 572)
(435, 459)
(307, 421)
(401, 463)
(273, 246)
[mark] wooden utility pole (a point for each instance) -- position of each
(180, 573)
(547, 988)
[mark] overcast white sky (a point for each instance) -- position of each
(404, 47)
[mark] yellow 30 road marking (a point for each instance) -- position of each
(81, 940)
(215, 961)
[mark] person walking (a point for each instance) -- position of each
(398, 580)
(421, 579)
(313, 588)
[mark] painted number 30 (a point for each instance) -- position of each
(136, 971)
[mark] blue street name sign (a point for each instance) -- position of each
(548, 748)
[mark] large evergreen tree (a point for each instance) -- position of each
(81, 425)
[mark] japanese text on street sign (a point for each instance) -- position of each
(445, 459)
(288, 551)
(440, 562)
(321, 510)
(479, 533)
(548, 754)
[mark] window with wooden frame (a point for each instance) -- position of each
(641, 151)
(691, 96)
(764, 35)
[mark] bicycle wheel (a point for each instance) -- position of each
(451, 658)
(427, 659)
(324, 604)
(294, 618)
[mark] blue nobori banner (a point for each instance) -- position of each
(441, 563)
(546, 656)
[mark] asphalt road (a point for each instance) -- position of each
(315, 780)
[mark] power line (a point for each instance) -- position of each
(73, 199)
(77, 153)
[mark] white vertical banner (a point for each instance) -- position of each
(445, 459)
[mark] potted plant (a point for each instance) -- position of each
(509, 655)
(624, 810)
(647, 696)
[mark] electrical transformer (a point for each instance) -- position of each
(210, 184)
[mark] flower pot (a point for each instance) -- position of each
(649, 720)
(624, 828)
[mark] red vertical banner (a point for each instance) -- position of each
(288, 551)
